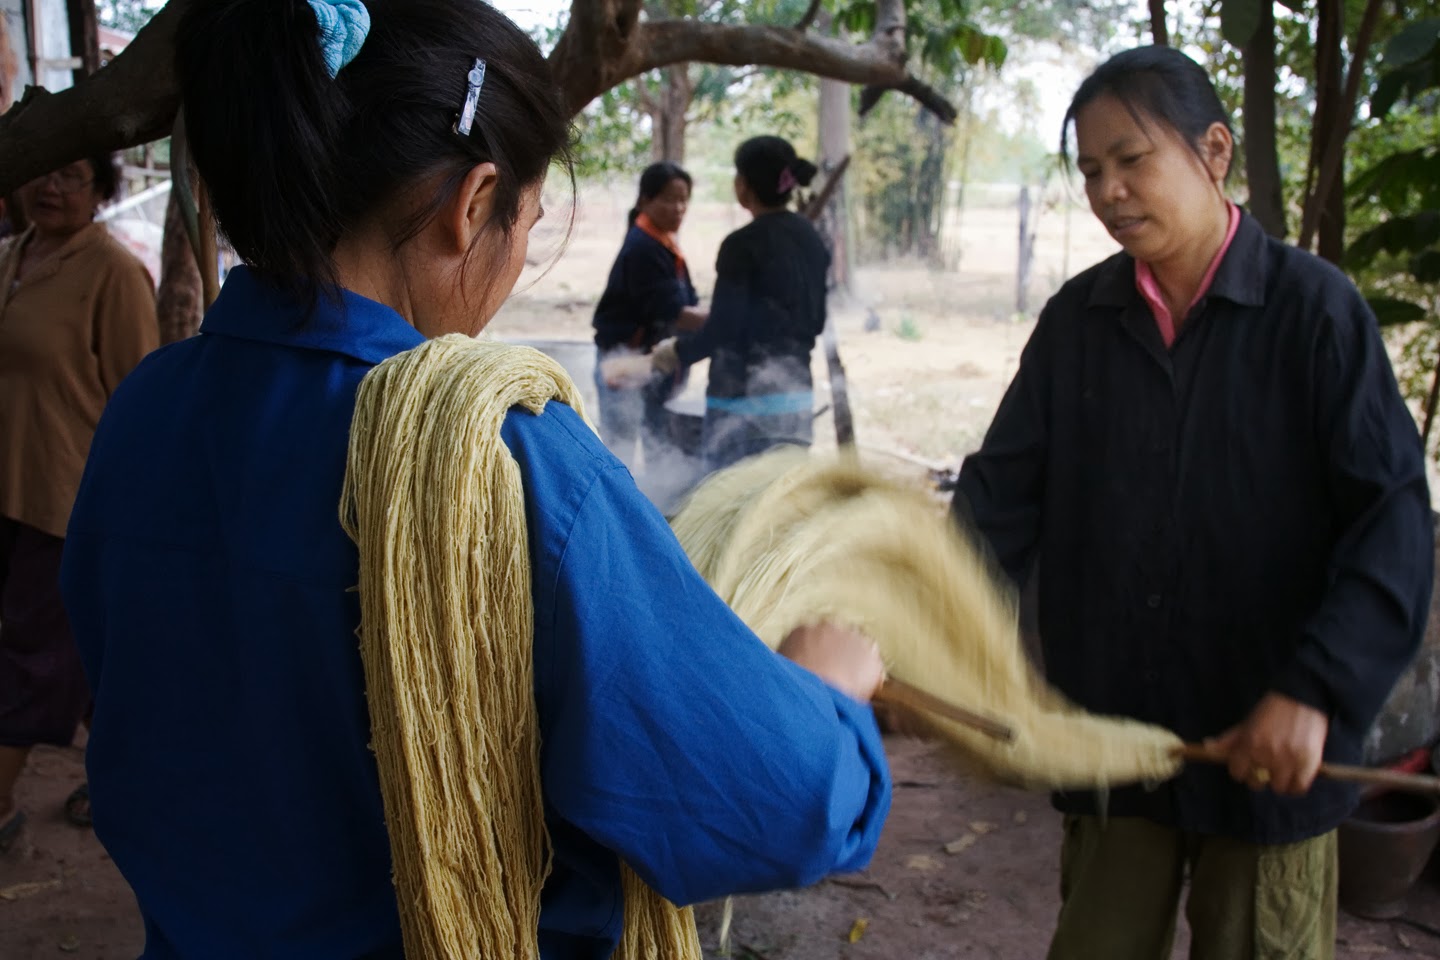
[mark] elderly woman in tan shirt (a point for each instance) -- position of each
(77, 312)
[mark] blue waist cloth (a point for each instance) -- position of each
(765, 404)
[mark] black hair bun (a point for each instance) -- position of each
(803, 170)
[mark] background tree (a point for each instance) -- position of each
(1397, 258)
(605, 42)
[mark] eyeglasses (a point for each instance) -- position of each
(67, 181)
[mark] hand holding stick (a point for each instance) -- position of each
(1364, 776)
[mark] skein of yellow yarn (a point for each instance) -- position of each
(788, 538)
(434, 501)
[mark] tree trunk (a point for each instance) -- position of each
(669, 118)
(1158, 28)
(178, 302)
(930, 187)
(834, 147)
(1262, 155)
(1324, 181)
(1329, 131)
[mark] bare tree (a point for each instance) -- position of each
(134, 98)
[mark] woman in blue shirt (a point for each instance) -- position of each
(379, 198)
(647, 298)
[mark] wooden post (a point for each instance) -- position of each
(839, 390)
(1027, 251)
(33, 38)
(84, 37)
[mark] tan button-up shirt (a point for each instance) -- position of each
(70, 330)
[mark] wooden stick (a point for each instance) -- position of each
(1365, 776)
(901, 694)
(209, 267)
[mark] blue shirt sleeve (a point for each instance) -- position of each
(674, 737)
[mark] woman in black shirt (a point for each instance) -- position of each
(648, 298)
(768, 308)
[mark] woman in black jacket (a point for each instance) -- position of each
(1206, 452)
(648, 298)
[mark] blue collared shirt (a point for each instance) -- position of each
(210, 588)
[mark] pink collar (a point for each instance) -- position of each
(1149, 289)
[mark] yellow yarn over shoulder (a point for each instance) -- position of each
(434, 501)
(787, 538)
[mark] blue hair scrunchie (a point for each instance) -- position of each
(343, 27)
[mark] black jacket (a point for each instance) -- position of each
(1245, 512)
(768, 308)
(643, 296)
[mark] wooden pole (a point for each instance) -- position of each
(839, 388)
(84, 37)
(1364, 776)
(901, 694)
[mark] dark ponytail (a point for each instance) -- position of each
(293, 158)
(1157, 85)
(653, 181)
(262, 120)
(772, 170)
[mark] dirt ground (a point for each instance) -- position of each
(924, 382)
(60, 896)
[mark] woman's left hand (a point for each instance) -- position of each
(1279, 746)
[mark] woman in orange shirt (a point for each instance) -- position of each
(77, 312)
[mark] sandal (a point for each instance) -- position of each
(10, 830)
(77, 806)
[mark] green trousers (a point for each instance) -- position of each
(1121, 881)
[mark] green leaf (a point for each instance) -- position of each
(1239, 19)
(1295, 6)
(1395, 179)
(1387, 91)
(1390, 311)
(1425, 266)
(1412, 43)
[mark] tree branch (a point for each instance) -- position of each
(131, 100)
(681, 41)
(134, 99)
(923, 94)
(809, 18)
(585, 73)
(595, 41)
